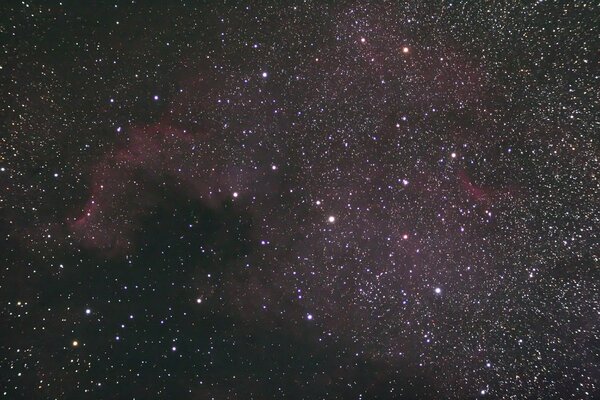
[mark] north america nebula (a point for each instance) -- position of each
(300, 200)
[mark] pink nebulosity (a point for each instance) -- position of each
(483, 194)
(124, 183)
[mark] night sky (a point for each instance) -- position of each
(300, 200)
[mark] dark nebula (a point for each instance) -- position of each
(304, 200)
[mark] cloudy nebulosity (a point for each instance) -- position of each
(395, 200)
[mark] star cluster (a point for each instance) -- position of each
(396, 200)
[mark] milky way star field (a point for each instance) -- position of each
(300, 200)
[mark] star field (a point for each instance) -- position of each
(304, 200)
